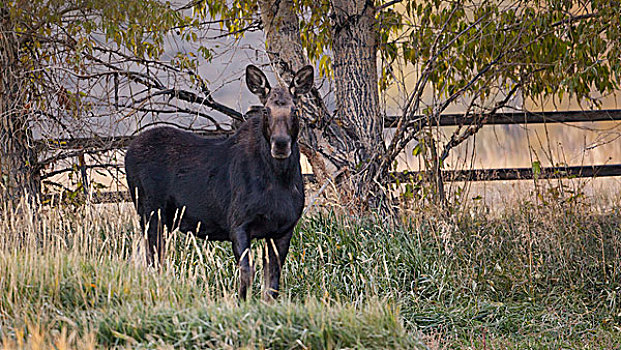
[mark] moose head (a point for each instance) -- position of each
(280, 119)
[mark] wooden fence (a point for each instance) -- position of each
(445, 120)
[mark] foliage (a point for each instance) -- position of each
(87, 62)
(139, 27)
(561, 47)
(93, 41)
(532, 277)
(557, 46)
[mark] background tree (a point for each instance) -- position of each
(479, 54)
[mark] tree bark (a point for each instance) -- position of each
(282, 34)
(355, 73)
(355, 38)
(18, 159)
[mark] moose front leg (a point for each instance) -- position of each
(241, 249)
(274, 255)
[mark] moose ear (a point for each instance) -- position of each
(257, 82)
(302, 81)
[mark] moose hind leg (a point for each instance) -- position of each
(274, 255)
(241, 249)
(154, 229)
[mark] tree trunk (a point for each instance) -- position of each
(355, 37)
(282, 34)
(355, 70)
(18, 160)
(353, 139)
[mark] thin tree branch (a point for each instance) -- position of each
(473, 129)
(388, 4)
(69, 169)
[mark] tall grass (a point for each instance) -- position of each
(529, 277)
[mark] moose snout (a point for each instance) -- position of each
(281, 143)
(281, 147)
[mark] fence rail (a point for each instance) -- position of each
(508, 174)
(390, 121)
(505, 174)
(517, 118)
(501, 174)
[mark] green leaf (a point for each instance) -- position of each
(536, 166)
(417, 149)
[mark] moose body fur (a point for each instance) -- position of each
(237, 188)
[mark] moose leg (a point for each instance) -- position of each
(274, 255)
(153, 228)
(241, 249)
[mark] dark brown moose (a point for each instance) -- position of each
(246, 186)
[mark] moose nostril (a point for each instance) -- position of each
(281, 142)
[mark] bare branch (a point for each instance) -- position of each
(473, 129)
(388, 4)
(89, 166)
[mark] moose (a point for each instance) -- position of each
(237, 188)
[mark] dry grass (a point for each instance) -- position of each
(531, 276)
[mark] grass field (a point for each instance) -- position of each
(528, 277)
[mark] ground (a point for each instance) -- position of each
(531, 276)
